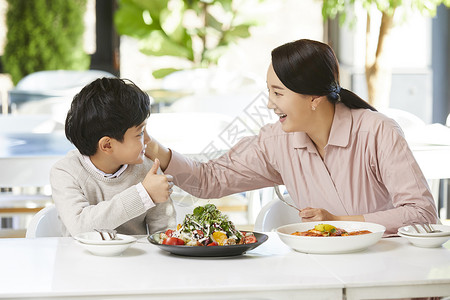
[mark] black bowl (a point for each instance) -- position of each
(209, 251)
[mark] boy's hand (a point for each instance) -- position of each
(158, 186)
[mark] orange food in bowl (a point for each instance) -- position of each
(220, 237)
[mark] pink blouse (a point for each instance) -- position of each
(368, 169)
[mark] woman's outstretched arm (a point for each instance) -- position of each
(156, 150)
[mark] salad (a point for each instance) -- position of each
(206, 226)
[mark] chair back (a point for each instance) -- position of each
(52, 83)
(275, 214)
(45, 224)
(57, 81)
(35, 123)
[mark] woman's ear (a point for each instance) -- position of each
(104, 145)
(315, 101)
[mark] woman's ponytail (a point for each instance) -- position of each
(351, 100)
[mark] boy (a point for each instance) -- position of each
(108, 182)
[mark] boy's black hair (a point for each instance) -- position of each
(105, 107)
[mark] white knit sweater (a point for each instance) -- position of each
(85, 200)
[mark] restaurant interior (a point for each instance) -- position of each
(201, 105)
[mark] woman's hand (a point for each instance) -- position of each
(155, 150)
(310, 214)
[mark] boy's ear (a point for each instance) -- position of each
(104, 144)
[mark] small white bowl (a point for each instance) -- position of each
(106, 250)
(92, 241)
(409, 230)
(426, 241)
(94, 238)
(334, 244)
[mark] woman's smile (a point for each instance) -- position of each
(282, 117)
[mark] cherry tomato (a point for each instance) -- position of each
(212, 244)
(199, 232)
(173, 241)
(169, 232)
(250, 239)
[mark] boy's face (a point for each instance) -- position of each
(131, 150)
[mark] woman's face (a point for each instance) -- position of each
(294, 110)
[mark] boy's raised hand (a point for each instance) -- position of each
(158, 186)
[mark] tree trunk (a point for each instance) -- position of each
(377, 65)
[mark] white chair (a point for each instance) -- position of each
(55, 108)
(36, 123)
(52, 83)
(275, 214)
(59, 82)
(45, 224)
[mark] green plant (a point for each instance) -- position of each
(44, 35)
(377, 68)
(198, 31)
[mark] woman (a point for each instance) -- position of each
(338, 157)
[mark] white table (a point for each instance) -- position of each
(392, 268)
(58, 267)
(46, 267)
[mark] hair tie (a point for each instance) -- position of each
(334, 92)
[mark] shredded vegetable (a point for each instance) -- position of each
(206, 226)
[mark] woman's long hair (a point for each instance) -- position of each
(311, 68)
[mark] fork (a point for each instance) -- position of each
(415, 228)
(280, 196)
(429, 229)
(108, 232)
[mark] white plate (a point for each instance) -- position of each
(94, 238)
(426, 241)
(409, 230)
(332, 244)
(106, 250)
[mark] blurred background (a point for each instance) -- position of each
(204, 64)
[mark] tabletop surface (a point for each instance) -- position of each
(60, 267)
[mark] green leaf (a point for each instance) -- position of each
(240, 31)
(213, 23)
(213, 55)
(172, 22)
(226, 4)
(129, 20)
(210, 208)
(161, 73)
(159, 44)
(154, 7)
(198, 211)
